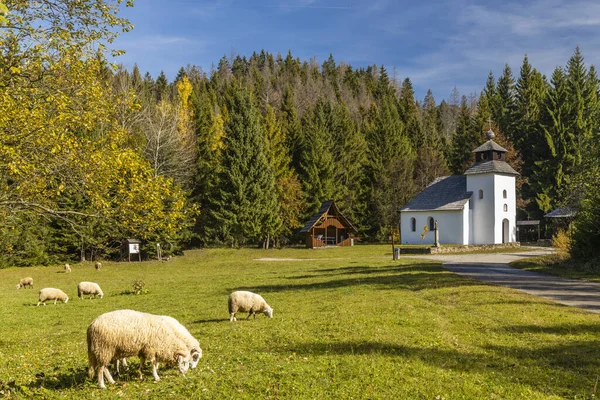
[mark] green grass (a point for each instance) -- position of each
(348, 323)
(561, 266)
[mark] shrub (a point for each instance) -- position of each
(561, 241)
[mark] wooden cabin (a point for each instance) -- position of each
(329, 227)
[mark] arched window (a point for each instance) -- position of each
(504, 194)
(505, 207)
(413, 224)
(480, 194)
(431, 223)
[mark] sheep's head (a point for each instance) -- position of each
(183, 361)
(18, 286)
(196, 354)
(268, 312)
(66, 299)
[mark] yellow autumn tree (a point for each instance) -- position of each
(63, 154)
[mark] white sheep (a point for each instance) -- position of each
(249, 302)
(67, 268)
(192, 343)
(52, 294)
(25, 282)
(98, 265)
(90, 288)
(125, 333)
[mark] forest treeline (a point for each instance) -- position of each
(245, 153)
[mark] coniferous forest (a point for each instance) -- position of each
(243, 154)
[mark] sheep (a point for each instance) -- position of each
(52, 294)
(247, 302)
(25, 282)
(91, 288)
(124, 333)
(67, 268)
(192, 344)
(98, 265)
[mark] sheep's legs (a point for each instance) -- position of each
(142, 362)
(155, 370)
(250, 314)
(108, 376)
(232, 317)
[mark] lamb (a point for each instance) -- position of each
(98, 266)
(91, 288)
(248, 302)
(25, 282)
(192, 344)
(67, 268)
(52, 294)
(124, 333)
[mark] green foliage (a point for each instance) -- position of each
(246, 204)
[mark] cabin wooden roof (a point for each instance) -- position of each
(325, 207)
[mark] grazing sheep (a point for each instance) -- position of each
(124, 333)
(90, 288)
(52, 294)
(192, 343)
(25, 282)
(248, 302)
(98, 265)
(67, 268)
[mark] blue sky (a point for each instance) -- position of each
(438, 44)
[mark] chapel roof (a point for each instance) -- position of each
(448, 193)
(491, 166)
(490, 145)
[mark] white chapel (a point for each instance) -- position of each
(478, 207)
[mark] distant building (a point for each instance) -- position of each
(329, 227)
(478, 207)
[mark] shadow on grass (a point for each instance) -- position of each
(557, 362)
(418, 277)
(210, 321)
(575, 329)
(72, 379)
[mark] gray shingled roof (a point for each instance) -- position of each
(564, 212)
(325, 206)
(486, 167)
(445, 193)
(490, 145)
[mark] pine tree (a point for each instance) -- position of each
(409, 114)
(287, 185)
(467, 137)
(246, 204)
(503, 113)
(291, 127)
(530, 93)
(316, 159)
(557, 158)
(136, 78)
(161, 86)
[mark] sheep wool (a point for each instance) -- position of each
(52, 294)
(67, 268)
(249, 302)
(89, 288)
(25, 282)
(178, 329)
(98, 266)
(125, 333)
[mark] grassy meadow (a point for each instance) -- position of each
(348, 323)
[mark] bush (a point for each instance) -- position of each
(561, 241)
(138, 287)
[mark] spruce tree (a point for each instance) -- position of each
(557, 157)
(287, 185)
(409, 114)
(503, 113)
(161, 86)
(316, 159)
(246, 204)
(466, 138)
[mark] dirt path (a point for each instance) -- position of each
(494, 269)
